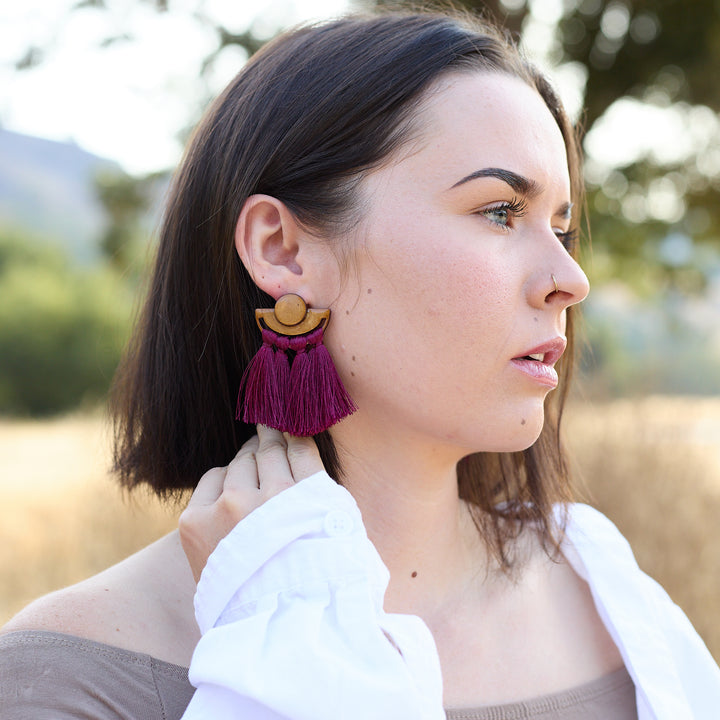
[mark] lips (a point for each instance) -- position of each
(548, 353)
(538, 362)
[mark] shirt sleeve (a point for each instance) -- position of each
(675, 675)
(290, 607)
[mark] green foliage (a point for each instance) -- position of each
(62, 329)
(127, 202)
(638, 347)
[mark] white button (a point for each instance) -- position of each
(338, 522)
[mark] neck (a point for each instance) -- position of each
(407, 493)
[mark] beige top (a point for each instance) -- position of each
(51, 676)
(611, 697)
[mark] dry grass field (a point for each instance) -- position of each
(61, 516)
(652, 465)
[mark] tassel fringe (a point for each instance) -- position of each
(302, 395)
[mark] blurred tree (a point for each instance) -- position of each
(124, 202)
(657, 203)
(127, 201)
(62, 329)
(625, 55)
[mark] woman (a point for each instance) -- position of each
(415, 176)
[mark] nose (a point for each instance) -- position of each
(560, 282)
(567, 286)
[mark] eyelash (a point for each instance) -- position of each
(569, 240)
(517, 208)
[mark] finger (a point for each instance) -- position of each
(272, 462)
(249, 446)
(303, 456)
(242, 472)
(209, 488)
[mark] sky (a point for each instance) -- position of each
(132, 100)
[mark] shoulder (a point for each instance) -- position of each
(51, 675)
(86, 610)
(143, 604)
(662, 650)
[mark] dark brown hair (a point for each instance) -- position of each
(304, 121)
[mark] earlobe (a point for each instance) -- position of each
(266, 239)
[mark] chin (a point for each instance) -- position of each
(516, 438)
(521, 432)
(531, 430)
(517, 445)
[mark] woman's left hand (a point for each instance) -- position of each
(266, 464)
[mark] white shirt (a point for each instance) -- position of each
(290, 607)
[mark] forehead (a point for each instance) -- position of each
(480, 119)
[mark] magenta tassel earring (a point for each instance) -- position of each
(291, 384)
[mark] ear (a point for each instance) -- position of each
(268, 240)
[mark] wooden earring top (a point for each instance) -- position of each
(291, 316)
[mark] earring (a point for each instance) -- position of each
(552, 277)
(291, 384)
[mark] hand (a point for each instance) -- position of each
(266, 465)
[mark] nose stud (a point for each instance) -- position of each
(552, 277)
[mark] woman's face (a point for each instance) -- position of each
(451, 287)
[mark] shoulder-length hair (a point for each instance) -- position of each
(305, 120)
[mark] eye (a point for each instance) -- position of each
(503, 213)
(569, 239)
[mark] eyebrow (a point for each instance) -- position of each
(519, 183)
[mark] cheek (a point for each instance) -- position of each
(408, 319)
(433, 271)
(473, 296)
(424, 287)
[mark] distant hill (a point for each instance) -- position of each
(46, 187)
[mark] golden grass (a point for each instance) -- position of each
(61, 517)
(653, 466)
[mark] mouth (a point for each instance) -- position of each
(548, 353)
(539, 361)
(540, 357)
